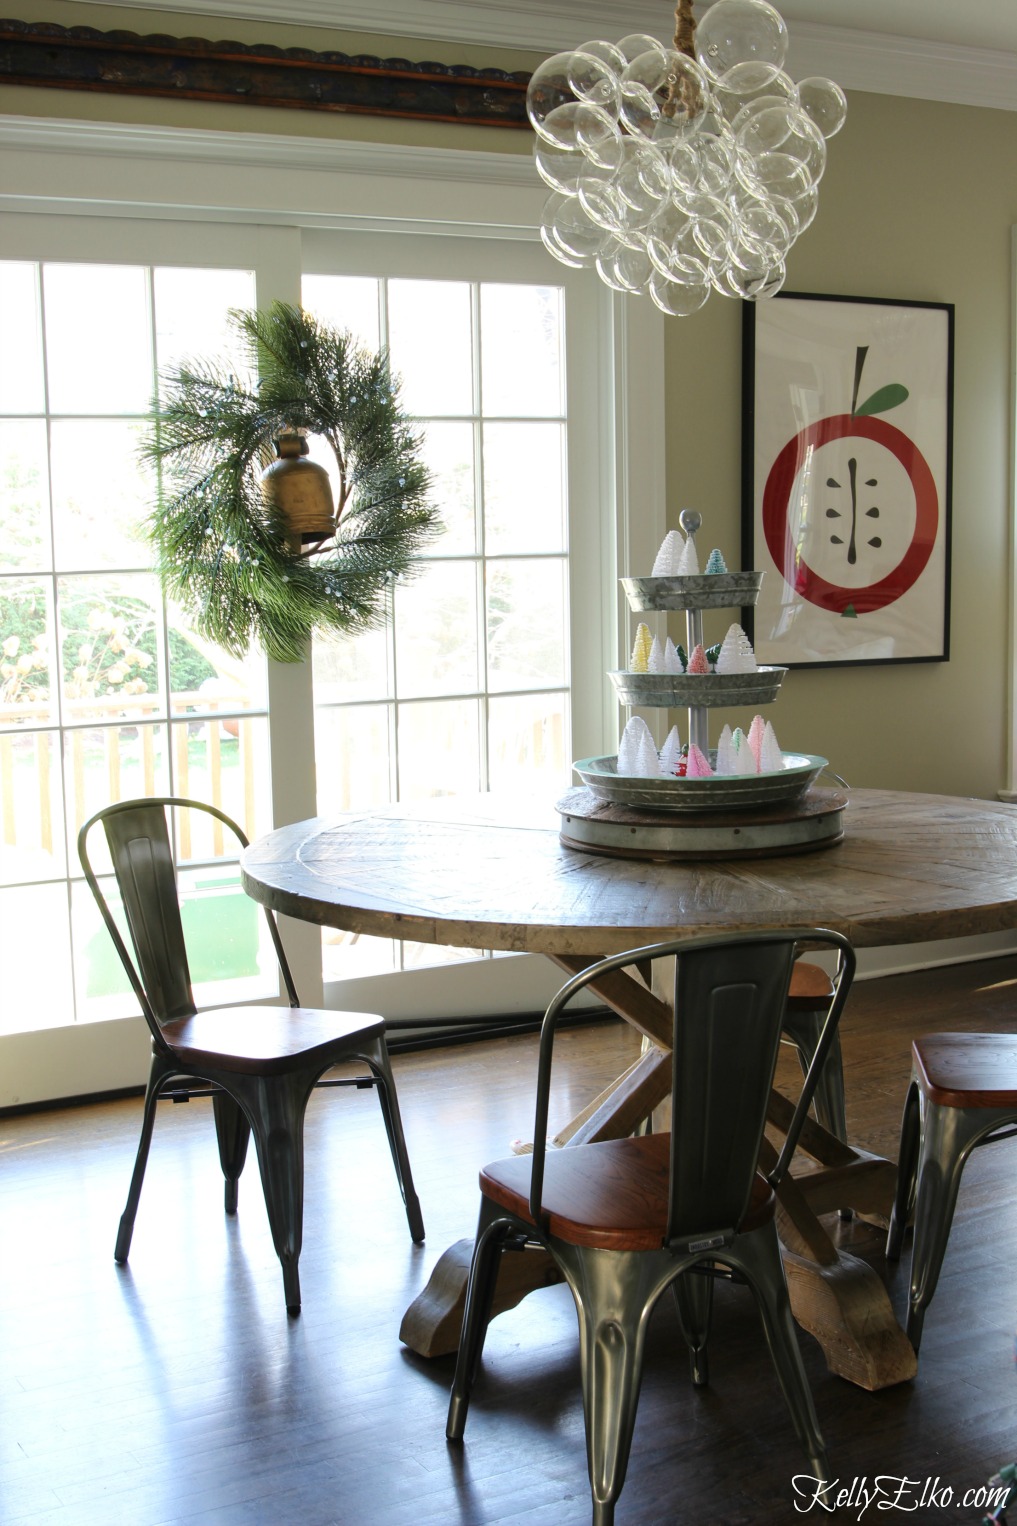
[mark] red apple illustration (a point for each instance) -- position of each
(852, 492)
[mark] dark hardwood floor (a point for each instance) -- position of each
(176, 1389)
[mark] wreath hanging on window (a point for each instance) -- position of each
(268, 552)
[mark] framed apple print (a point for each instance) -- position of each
(846, 468)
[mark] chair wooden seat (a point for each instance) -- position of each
(266, 1040)
(612, 1195)
(810, 987)
(962, 1092)
(968, 1069)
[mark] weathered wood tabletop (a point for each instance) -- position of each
(490, 872)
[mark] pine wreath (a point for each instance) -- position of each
(225, 553)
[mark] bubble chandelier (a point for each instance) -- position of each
(687, 169)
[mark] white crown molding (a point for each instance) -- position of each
(53, 166)
(883, 64)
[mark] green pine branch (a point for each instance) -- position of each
(223, 552)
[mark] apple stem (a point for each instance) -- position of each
(860, 355)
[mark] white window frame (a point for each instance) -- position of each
(272, 189)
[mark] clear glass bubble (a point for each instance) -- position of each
(683, 163)
(756, 286)
(603, 205)
(626, 269)
(677, 299)
(786, 130)
(738, 32)
(635, 43)
(663, 232)
(592, 80)
(560, 168)
(717, 153)
(773, 175)
(609, 54)
(663, 89)
(711, 221)
(825, 103)
(736, 107)
(578, 125)
(549, 239)
(759, 226)
(548, 89)
(573, 229)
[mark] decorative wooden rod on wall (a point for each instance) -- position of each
(257, 74)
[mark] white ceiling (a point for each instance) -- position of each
(933, 49)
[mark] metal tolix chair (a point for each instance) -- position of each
(624, 1219)
(962, 1094)
(807, 1003)
(259, 1064)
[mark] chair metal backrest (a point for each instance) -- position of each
(728, 1001)
(140, 845)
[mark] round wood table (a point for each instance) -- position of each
(491, 872)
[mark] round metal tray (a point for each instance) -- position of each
(815, 820)
(708, 590)
(758, 688)
(726, 792)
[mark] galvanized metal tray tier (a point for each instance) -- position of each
(704, 689)
(722, 792)
(712, 590)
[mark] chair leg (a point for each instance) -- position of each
(948, 1136)
(233, 1132)
(803, 1029)
(613, 1291)
(907, 1172)
(158, 1075)
(275, 1106)
(693, 1296)
(492, 1232)
(377, 1057)
(757, 1255)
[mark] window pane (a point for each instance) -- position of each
(102, 494)
(436, 631)
(526, 742)
(32, 846)
(224, 763)
(526, 635)
(524, 488)
(430, 338)
(191, 308)
(109, 647)
(21, 376)
(101, 987)
(352, 751)
(345, 302)
(439, 749)
(98, 338)
(204, 678)
(448, 452)
(24, 494)
(351, 667)
(229, 947)
(346, 956)
(110, 763)
(26, 665)
(521, 350)
(35, 993)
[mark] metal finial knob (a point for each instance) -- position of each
(690, 521)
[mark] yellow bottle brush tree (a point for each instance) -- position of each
(268, 552)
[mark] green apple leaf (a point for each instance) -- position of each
(883, 400)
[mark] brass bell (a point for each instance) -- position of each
(299, 489)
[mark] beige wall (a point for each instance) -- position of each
(918, 203)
